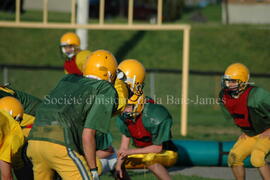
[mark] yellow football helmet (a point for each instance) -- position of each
(237, 73)
(70, 44)
(12, 106)
(132, 72)
(81, 58)
(101, 64)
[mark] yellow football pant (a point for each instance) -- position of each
(48, 157)
(140, 161)
(255, 146)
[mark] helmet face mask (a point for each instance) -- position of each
(130, 115)
(69, 51)
(233, 86)
(69, 45)
(134, 107)
(138, 88)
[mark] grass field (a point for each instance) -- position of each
(213, 47)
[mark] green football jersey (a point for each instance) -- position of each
(103, 140)
(258, 108)
(156, 120)
(74, 104)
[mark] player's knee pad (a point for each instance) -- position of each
(257, 158)
(235, 159)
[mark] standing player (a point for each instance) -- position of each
(77, 110)
(147, 125)
(74, 64)
(249, 107)
(70, 47)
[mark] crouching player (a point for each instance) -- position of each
(148, 125)
(11, 137)
(15, 101)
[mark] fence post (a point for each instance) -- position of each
(185, 76)
(5, 75)
(82, 18)
(152, 84)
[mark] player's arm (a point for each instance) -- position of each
(260, 99)
(5, 170)
(29, 102)
(89, 147)
(144, 150)
(125, 139)
(98, 118)
(123, 147)
(121, 155)
(124, 142)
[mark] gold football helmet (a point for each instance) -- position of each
(132, 72)
(235, 78)
(12, 106)
(101, 64)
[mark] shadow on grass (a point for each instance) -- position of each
(129, 45)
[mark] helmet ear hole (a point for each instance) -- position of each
(121, 75)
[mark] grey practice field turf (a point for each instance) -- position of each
(214, 172)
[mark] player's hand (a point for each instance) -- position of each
(94, 174)
(118, 168)
(122, 153)
(119, 173)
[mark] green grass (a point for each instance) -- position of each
(212, 13)
(211, 48)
